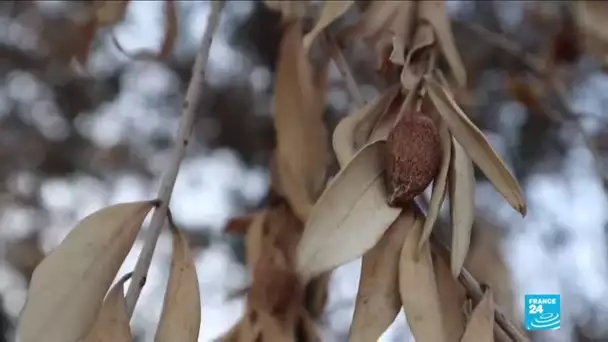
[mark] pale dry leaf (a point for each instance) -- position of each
(68, 287)
(180, 318)
(411, 73)
(353, 130)
(486, 263)
(383, 24)
(332, 10)
(436, 13)
(109, 12)
(378, 301)
(462, 205)
(591, 19)
(350, 217)
(439, 185)
(289, 9)
(476, 146)
(418, 288)
(254, 237)
(302, 151)
(171, 30)
(112, 324)
(316, 295)
(452, 296)
(480, 327)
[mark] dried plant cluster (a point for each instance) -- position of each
(389, 151)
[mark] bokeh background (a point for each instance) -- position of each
(72, 142)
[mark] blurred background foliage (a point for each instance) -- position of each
(73, 139)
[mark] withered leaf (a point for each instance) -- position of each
(418, 288)
(68, 287)
(353, 131)
(302, 151)
(332, 10)
(181, 314)
(254, 238)
(453, 298)
(462, 205)
(476, 146)
(480, 327)
(378, 301)
(350, 217)
(436, 13)
(112, 323)
(439, 185)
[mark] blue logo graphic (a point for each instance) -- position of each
(543, 312)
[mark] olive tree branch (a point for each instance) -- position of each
(189, 106)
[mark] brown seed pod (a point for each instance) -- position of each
(413, 158)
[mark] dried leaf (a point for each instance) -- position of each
(462, 206)
(438, 194)
(350, 217)
(171, 30)
(181, 315)
(378, 301)
(289, 9)
(436, 13)
(453, 298)
(254, 237)
(240, 225)
(591, 19)
(480, 327)
(476, 146)
(485, 262)
(109, 12)
(68, 287)
(383, 23)
(112, 323)
(302, 151)
(332, 10)
(418, 288)
(353, 131)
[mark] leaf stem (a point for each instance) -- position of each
(351, 85)
(189, 106)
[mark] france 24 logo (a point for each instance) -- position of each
(543, 312)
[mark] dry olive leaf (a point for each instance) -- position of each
(350, 217)
(288, 9)
(418, 288)
(302, 151)
(316, 295)
(181, 315)
(112, 323)
(239, 225)
(254, 237)
(436, 13)
(378, 301)
(353, 130)
(411, 73)
(109, 12)
(332, 10)
(453, 298)
(591, 17)
(476, 146)
(480, 327)
(439, 185)
(462, 205)
(486, 264)
(68, 287)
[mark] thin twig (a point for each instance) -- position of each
(189, 106)
(351, 85)
(566, 114)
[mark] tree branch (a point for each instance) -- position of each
(191, 102)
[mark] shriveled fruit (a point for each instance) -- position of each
(413, 158)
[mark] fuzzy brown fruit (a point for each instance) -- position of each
(413, 158)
